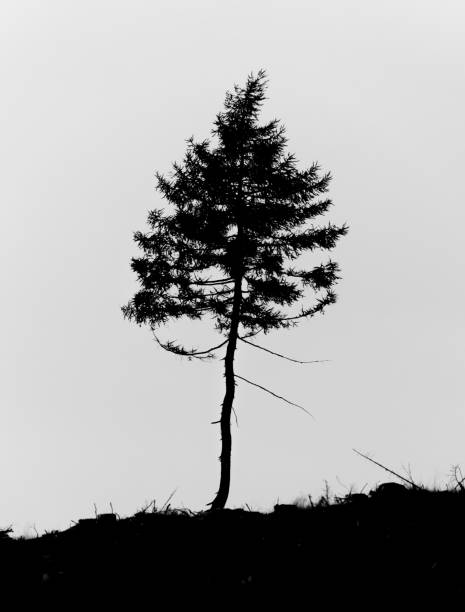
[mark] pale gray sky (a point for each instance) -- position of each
(97, 96)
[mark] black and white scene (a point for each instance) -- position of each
(232, 316)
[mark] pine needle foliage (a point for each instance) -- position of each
(241, 211)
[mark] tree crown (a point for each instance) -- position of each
(241, 215)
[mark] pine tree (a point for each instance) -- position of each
(241, 209)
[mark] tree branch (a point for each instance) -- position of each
(217, 292)
(250, 334)
(275, 395)
(321, 304)
(410, 482)
(309, 313)
(178, 350)
(282, 356)
(220, 281)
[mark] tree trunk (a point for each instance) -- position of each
(225, 458)
(225, 421)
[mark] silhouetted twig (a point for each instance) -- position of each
(327, 492)
(274, 394)
(279, 355)
(458, 479)
(145, 508)
(113, 512)
(387, 469)
(235, 415)
(167, 501)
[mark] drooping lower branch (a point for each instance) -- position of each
(242, 338)
(177, 349)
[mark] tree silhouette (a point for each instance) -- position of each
(239, 217)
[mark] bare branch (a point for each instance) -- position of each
(459, 478)
(282, 356)
(387, 469)
(275, 395)
(165, 505)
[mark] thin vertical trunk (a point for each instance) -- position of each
(225, 422)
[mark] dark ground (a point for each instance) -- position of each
(398, 547)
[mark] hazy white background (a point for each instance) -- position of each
(98, 95)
